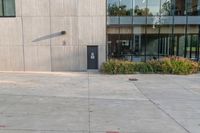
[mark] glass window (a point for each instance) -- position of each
(1, 8)
(192, 41)
(113, 7)
(120, 46)
(126, 8)
(162, 35)
(180, 8)
(198, 7)
(193, 7)
(153, 7)
(152, 42)
(152, 46)
(9, 7)
(113, 44)
(126, 45)
(120, 7)
(179, 40)
(165, 44)
(140, 8)
(198, 48)
(166, 7)
(192, 46)
(179, 46)
(139, 41)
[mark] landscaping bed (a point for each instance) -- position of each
(199, 66)
(167, 65)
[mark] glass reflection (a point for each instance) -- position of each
(113, 7)
(140, 8)
(179, 46)
(166, 8)
(153, 8)
(120, 7)
(192, 46)
(193, 7)
(9, 7)
(126, 8)
(159, 28)
(180, 8)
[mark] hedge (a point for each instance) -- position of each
(199, 66)
(168, 65)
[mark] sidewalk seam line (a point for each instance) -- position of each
(89, 113)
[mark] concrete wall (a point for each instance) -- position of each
(32, 42)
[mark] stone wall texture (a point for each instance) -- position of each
(31, 41)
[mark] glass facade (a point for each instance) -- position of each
(139, 30)
(7, 8)
(1, 8)
(139, 8)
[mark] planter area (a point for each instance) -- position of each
(167, 65)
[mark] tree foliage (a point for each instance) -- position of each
(166, 8)
(142, 12)
(115, 10)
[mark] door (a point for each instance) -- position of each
(92, 57)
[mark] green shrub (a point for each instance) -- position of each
(180, 67)
(108, 67)
(129, 68)
(143, 68)
(176, 65)
(183, 66)
(118, 67)
(168, 65)
(156, 66)
(199, 66)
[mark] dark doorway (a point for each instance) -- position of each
(92, 57)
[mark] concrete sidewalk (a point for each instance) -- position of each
(95, 103)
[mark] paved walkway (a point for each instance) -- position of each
(95, 103)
